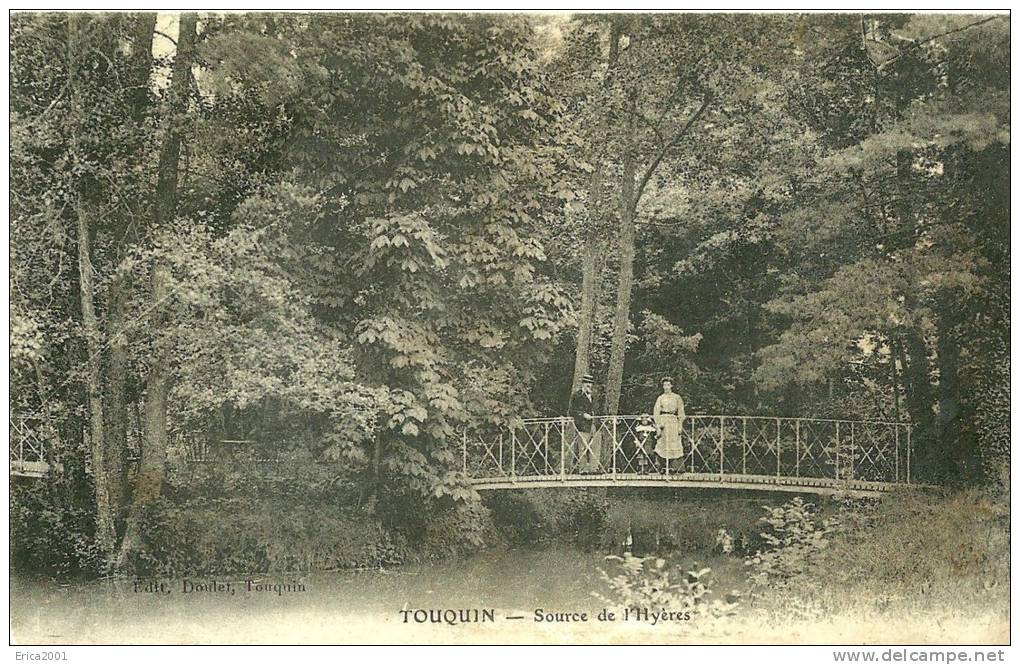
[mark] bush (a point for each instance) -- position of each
(434, 527)
(53, 527)
(456, 530)
(532, 517)
(517, 519)
(793, 537)
(650, 583)
(908, 555)
(951, 550)
(210, 536)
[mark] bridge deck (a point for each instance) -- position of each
(856, 488)
(29, 469)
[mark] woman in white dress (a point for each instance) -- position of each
(669, 420)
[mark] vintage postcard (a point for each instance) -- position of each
(510, 328)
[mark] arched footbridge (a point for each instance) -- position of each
(807, 455)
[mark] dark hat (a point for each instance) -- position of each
(587, 378)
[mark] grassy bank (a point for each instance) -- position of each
(924, 569)
(917, 555)
(927, 562)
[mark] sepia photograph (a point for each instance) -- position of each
(463, 327)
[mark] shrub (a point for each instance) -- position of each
(908, 555)
(456, 530)
(793, 537)
(648, 582)
(951, 550)
(208, 536)
(517, 519)
(434, 527)
(724, 541)
(52, 529)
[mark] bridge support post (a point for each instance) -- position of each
(694, 442)
(853, 452)
(910, 430)
(19, 428)
(896, 453)
(513, 452)
(796, 449)
(614, 449)
(743, 463)
(563, 450)
(837, 450)
(546, 467)
(779, 451)
(722, 435)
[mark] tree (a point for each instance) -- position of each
(668, 80)
(152, 467)
(72, 129)
(912, 238)
(120, 395)
(104, 508)
(439, 182)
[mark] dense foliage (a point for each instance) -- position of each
(916, 555)
(338, 241)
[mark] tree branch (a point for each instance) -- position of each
(165, 36)
(56, 99)
(915, 45)
(651, 125)
(650, 171)
(864, 45)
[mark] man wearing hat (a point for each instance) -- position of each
(587, 444)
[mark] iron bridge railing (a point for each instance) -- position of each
(720, 445)
(29, 436)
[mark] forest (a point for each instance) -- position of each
(341, 240)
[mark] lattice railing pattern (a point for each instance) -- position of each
(28, 439)
(624, 446)
(197, 448)
(810, 448)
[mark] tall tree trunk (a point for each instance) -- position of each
(120, 285)
(948, 452)
(589, 270)
(152, 466)
(117, 402)
(596, 219)
(621, 318)
(916, 376)
(894, 359)
(141, 62)
(105, 534)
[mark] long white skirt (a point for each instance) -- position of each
(669, 445)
